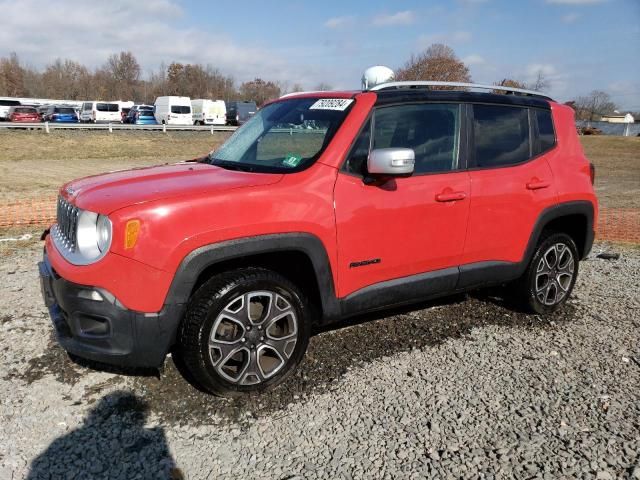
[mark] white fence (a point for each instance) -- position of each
(47, 127)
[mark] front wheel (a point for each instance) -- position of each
(244, 331)
(551, 275)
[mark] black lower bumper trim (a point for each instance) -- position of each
(95, 326)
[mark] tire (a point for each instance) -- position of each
(230, 346)
(551, 275)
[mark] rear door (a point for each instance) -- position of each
(510, 184)
(405, 226)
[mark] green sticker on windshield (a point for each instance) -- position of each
(291, 160)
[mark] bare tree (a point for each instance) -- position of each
(594, 105)
(323, 87)
(123, 72)
(11, 77)
(438, 62)
(259, 91)
(541, 82)
(66, 79)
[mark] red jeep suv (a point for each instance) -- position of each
(323, 206)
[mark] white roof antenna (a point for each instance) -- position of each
(376, 75)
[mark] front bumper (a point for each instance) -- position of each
(91, 323)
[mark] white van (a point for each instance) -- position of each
(173, 110)
(100, 112)
(208, 112)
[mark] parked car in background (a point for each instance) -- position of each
(141, 115)
(41, 110)
(5, 105)
(123, 114)
(239, 112)
(59, 114)
(208, 112)
(125, 107)
(24, 114)
(173, 110)
(100, 112)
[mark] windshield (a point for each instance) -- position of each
(180, 109)
(108, 107)
(284, 136)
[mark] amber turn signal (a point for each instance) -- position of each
(131, 234)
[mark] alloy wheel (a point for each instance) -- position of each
(253, 337)
(554, 274)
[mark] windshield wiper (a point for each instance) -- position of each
(231, 165)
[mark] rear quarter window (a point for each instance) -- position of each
(546, 135)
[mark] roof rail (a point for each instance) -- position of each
(301, 93)
(417, 84)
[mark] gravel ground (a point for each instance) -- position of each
(464, 388)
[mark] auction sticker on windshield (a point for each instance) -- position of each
(339, 104)
(292, 160)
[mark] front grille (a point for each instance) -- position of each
(67, 223)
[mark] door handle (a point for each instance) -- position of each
(536, 184)
(450, 196)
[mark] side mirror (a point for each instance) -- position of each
(391, 162)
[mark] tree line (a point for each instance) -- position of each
(120, 78)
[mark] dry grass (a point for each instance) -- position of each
(617, 161)
(35, 163)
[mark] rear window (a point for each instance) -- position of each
(145, 112)
(25, 110)
(501, 135)
(247, 108)
(64, 110)
(107, 107)
(180, 109)
(9, 103)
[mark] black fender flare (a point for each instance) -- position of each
(203, 257)
(579, 207)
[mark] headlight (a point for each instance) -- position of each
(94, 235)
(103, 230)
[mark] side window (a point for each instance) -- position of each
(431, 130)
(501, 135)
(357, 161)
(546, 133)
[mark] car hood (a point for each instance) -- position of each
(109, 192)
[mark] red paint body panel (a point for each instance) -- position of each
(503, 211)
(401, 224)
(136, 285)
(568, 163)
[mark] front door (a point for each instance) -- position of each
(405, 226)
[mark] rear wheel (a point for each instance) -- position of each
(551, 275)
(244, 331)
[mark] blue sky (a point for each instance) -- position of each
(580, 45)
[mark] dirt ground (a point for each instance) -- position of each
(35, 164)
(617, 161)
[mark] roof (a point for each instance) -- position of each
(412, 95)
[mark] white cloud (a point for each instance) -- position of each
(88, 32)
(576, 2)
(474, 60)
(405, 17)
(570, 17)
(338, 22)
(447, 38)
